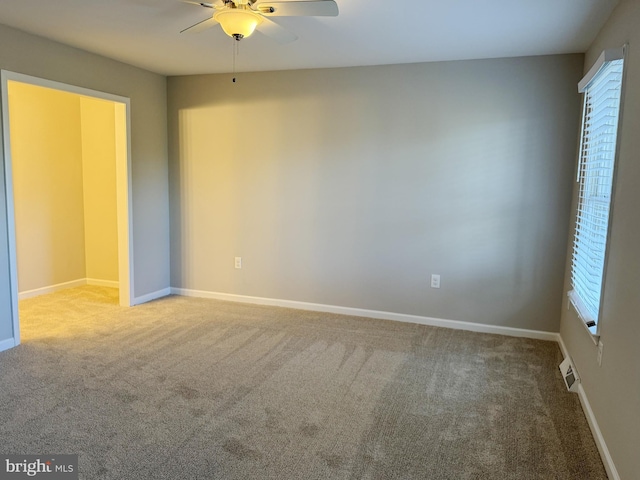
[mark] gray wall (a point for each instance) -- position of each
(351, 186)
(31, 55)
(614, 388)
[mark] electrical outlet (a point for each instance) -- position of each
(600, 347)
(435, 281)
(238, 262)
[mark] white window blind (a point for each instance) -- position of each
(595, 175)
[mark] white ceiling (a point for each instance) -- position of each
(145, 33)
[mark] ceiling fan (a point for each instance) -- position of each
(239, 18)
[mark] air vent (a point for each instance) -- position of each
(569, 375)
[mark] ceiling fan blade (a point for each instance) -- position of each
(200, 26)
(275, 31)
(201, 4)
(317, 8)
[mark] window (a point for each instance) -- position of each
(602, 88)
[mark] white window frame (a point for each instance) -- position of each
(591, 314)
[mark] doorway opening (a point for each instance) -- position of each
(67, 183)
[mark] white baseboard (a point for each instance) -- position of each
(605, 455)
(7, 344)
(609, 466)
(103, 283)
(359, 312)
(62, 286)
(563, 347)
(151, 296)
(51, 288)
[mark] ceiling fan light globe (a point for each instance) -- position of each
(236, 22)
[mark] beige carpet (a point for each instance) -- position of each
(185, 388)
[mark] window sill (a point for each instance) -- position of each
(575, 302)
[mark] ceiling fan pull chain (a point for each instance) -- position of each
(235, 54)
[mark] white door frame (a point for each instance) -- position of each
(123, 188)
